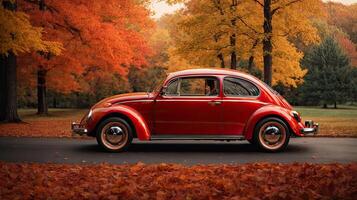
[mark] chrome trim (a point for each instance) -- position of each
(134, 101)
(115, 130)
(197, 137)
(310, 128)
(215, 99)
(77, 128)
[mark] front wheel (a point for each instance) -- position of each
(271, 134)
(114, 134)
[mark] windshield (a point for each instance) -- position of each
(157, 84)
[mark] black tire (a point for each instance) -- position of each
(271, 130)
(111, 130)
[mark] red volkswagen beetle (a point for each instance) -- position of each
(197, 104)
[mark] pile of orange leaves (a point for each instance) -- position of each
(173, 181)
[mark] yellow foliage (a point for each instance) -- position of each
(202, 31)
(19, 36)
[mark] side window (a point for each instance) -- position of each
(172, 88)
(199, 86)
(239, 87)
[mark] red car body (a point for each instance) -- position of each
(158, 116)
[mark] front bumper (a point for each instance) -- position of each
(77, 128)
(310, 128)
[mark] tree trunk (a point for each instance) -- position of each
(335, 105)
(250, 63)
(233, 39)
(54, 102)
(251, 57)
(325, 105)
(42, 106)
(221, 59)
(267, 42)
(8, 82)
(42, 5)
(233, 60)
(2, 87)
(9, 88)
(233, 45)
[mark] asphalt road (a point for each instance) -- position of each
(60, 150)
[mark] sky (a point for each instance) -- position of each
(160, 8)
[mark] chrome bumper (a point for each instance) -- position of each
(78, 128)
(310, 128)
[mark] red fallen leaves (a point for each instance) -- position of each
(39, 128)
(172, 181)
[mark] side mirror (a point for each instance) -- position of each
(163, 90)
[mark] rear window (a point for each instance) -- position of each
(239, 87)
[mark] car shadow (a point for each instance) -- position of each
(193, 147)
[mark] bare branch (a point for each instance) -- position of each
(257, 1)
(280, 7)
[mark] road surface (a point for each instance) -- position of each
(61, 150)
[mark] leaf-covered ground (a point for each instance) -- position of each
(56, 124)
(172, 181)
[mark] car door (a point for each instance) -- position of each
(187, 107)
(240, 101)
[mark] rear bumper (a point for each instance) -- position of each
(77, 128)
(311, 128)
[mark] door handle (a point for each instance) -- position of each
(215, 102)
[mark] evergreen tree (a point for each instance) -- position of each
(353, 88)
(328, 80)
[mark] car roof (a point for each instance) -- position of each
(211, 71)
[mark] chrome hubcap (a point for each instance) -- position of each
(114, 135)
(272, 135)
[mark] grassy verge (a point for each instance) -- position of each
(172, 181)
(333, 122)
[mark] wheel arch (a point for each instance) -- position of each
(134, 119)
(269, 111)
(115, 114)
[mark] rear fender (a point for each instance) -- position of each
(271, 111)
(141, 127)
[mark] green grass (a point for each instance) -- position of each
(333, 122)
(340, 112)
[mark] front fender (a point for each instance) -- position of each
(271, 111)
(141, 127)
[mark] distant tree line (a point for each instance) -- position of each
(330, 80)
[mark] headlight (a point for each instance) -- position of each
(90, 113)
(296, 115)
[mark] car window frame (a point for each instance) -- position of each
(243, 96)
(193, 96)
(170, 82)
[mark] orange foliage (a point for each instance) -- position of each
(109, 36)
(349, 47)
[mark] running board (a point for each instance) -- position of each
(197, 137)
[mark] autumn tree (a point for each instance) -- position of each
(344, 17)
(17, 36)
(99, 38)
(272, 9)
(329, 77)
(206, 32)
(348, 46)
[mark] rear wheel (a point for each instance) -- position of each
(114, 134)
(271, 134)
